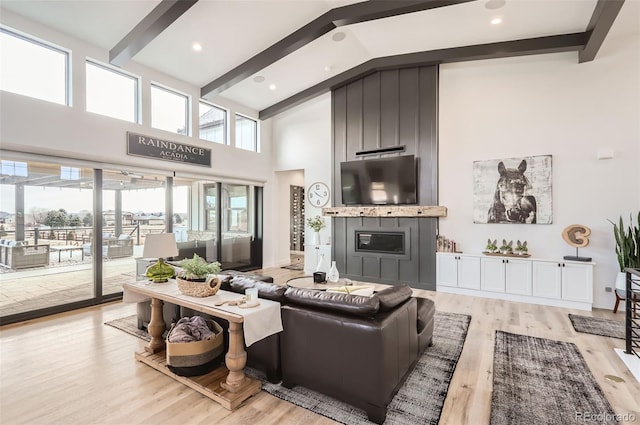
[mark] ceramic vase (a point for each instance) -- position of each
(333, 274)
(316, 238)
(320, 265)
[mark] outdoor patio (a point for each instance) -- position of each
(68, 278)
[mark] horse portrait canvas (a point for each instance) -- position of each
(513, 190)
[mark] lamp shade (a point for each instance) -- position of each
(161, 245)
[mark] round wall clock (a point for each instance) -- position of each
(318, 194)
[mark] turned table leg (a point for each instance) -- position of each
(156, 327)
(235, 359)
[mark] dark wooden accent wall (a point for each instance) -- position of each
(386, 109)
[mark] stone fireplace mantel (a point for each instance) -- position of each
(387, 211)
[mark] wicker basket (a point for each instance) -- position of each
(199, 289)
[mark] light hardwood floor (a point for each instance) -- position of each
(72, 369)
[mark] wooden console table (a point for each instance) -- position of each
(226, 385)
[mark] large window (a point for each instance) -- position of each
(213, 123)
(169, 110)
(111, 92)
(246, 133)
(33, 68)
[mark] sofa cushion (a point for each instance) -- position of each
(187, 245)
(345, 303)
(393, 296)
(426, 310)
(266, 290)
(364, 290)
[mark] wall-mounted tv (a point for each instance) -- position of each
(383, 181)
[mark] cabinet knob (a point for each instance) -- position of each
(558, 264)
(562, 264)
(506, 261)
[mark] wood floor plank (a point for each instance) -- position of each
(71, 369)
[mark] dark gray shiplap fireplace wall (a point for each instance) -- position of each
(385, 109)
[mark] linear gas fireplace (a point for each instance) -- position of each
(380, 242)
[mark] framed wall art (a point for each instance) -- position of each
(513, 190)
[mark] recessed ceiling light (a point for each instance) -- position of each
(496, 21)
(197, 47)
(327, 68)
(339, 36)
(494, 4)
(258, 79)
(272, 87)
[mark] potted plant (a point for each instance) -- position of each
(521, 248)
(506, 248)
(627, 248)
(491, 246)
(316, 224)
(197, 277)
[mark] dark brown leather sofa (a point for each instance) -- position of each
(356, 349)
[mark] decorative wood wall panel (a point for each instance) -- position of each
(387, 109)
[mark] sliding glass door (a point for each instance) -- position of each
(237, 230)
(133, 206)
(231, 213)
(46, 216)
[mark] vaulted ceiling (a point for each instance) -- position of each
(273, 54)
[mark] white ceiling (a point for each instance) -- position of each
(232, 32)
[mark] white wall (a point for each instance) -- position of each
(540, 105)
(35, 126)
(301, 141)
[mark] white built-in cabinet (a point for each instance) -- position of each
(563, 279)
(505, 275)
(538, 281)
(460, 271)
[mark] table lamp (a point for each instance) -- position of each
(160, 246)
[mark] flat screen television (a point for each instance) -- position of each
(383, 181)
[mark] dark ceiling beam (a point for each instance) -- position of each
(159, 19)
(601, 22)
(340, 16)
(531, 46)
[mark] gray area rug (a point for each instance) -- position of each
(541, 381)
(419, 400)
(129, 325)
(598, 326)
(294, 266)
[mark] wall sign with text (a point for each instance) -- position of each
(151, 147)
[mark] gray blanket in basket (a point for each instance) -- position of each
(189, 329)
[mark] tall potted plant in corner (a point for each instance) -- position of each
(627, 247)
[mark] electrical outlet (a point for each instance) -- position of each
(607, 289)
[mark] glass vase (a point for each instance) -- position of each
(333, 274)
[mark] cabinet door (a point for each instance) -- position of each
(547, 279)
(468, 272)
(493, 274)
(577, 282)
(446, 270)
(518, 277)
